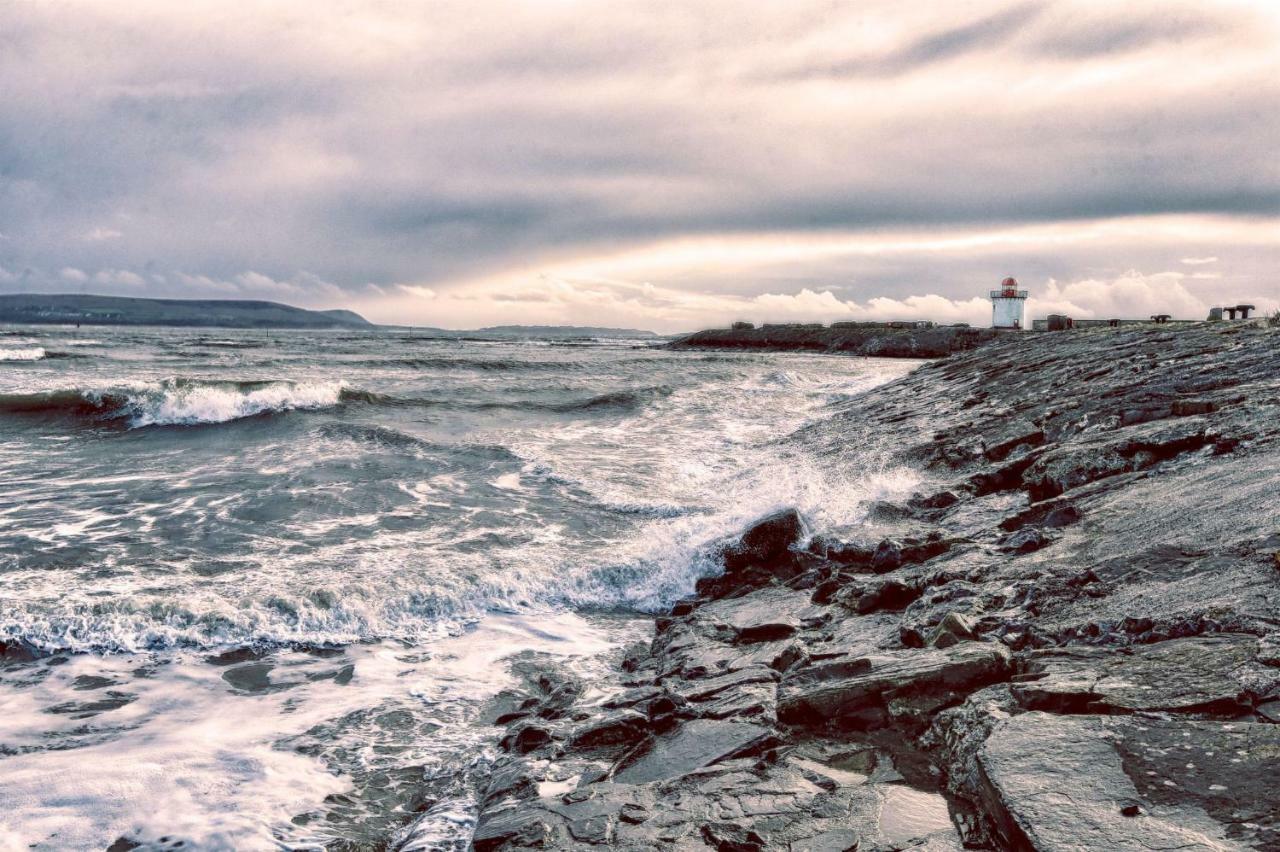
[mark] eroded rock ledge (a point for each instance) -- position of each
(1069, 640)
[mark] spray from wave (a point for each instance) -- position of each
(33, 353)
(175, 402)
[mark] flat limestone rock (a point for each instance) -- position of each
(855, 685)
(764, 615)
(696, 744)
(1117, 782)
(1200, 673)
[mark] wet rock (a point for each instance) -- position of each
(1012, 435)
(1072, 465)
(1025, 540)
(952, 630)
(619, 728)
(519, 827)
(767, 542)
(880, 593)
(512, 779)
(695, 745)
(701, 690)
(1202, 674)
(845, 553)
(757, 702)
(856, 689)
(1072, 782)
(526, 736)
(887, 557)
(764, 615)
(1048, 514)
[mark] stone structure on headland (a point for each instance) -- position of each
(1068, 639)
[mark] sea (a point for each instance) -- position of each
(256, 587)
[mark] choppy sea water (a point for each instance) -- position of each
(254, 586)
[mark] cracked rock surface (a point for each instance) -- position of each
(1069, 639)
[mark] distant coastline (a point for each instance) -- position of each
(83, 309)
(88, 309)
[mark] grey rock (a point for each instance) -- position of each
(1071, 783)
(764, 615)
(952, 630)
(695, 745)
(517, 826)
(618, 728)
(857, 688)
(1195, 674)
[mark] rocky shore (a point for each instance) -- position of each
(872, 339)
(1069, 640)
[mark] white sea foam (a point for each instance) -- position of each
(29, 353)
(172, 404)
(192, 758)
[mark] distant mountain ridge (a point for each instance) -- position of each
(64, 308)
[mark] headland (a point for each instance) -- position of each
(881, 339)
(1068, 638)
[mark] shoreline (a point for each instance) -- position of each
(1074, 634)
(873, 340)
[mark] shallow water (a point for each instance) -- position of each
(267, 578)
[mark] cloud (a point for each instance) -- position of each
(118, 277)
(1197, 261)
(419, 292)
(469, 141)
(70, 273)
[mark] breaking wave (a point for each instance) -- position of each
(175, 402)
(33, 353)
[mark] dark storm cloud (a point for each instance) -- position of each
(308, 151)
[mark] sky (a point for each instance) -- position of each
(658, 165)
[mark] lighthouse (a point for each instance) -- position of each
(1008, 305)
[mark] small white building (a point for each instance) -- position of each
(1009, 305)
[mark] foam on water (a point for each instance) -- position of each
(209, 754)
(173, 404)
(383, 528)
(30, 353)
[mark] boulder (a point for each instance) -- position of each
(952, 630)
(768, 541)
(618, 728)
(526, 736)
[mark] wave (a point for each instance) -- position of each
(175, 402)
(32, 353)
(626, 400)
(481, 364)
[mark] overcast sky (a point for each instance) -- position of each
(665, 165)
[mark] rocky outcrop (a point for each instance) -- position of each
(1069, 639)
(873, 339)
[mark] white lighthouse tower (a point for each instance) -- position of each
(1008, 305)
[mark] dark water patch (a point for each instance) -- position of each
(623, 400)
(380, 436)
(502, 365)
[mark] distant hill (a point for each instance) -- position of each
(545, 331)
(64, 308)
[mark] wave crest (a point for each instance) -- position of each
(175, 402)
(29, 353)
